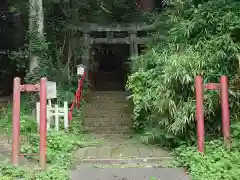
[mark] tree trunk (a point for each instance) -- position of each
(36, 20)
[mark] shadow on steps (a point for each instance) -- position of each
(108, 112)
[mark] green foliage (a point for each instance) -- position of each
(58, 49)
(217, 163)
(27, 124)
(64, 77)
(9, 172)
(104, 11)
(200, 40)
(60, 146)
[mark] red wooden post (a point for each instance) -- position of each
(199, 112)
(225, 109)
(90, 79)
(43, 123)
(84, 76)
(78, 93)
(16, 121)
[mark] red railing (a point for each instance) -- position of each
(78, 96)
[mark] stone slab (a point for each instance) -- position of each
(92, 152)
(159, 152)
(80, 153)
(130, 174)
(121, 150)
(145, 152)
(130, 161)
(104, 152)
(128, 152)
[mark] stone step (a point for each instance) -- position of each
(4, 101)
(108, 101)
(102, 102)
(108, 124)
(114, 128)
(105, 93)
(121, 100)
(109, 96)
(107, 114)
(107, 118)
(142, 173)
(115, 94)
(106, 96)
(122, 154)
(114, 107)
(129, 163)
(109, 130)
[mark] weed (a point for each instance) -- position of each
(217, 163)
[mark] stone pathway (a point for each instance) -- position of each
(122, 157)
(118, 149)
(114, 154)
(4, 101)
(107, 112)
(130, 174)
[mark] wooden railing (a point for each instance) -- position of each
(77, 97)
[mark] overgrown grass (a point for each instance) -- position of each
(10, 172)
(217, 162)
(60, 146)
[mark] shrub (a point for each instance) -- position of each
(217, 163)
(201, 40)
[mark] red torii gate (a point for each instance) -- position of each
(17, 89)
(223, 87)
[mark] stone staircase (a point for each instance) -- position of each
(108, 112)
(4, 101)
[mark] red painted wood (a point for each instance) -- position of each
(16, 121)
(17, 88)
(225, 109)
(28, 154)
(43, 122)
(78, 96)
(223, 87)
(199, 112)
(212, 86)
(30, 88)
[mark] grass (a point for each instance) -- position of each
(217, 162)
(60, 147)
